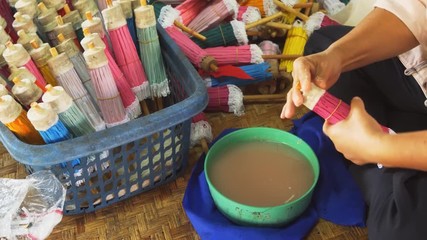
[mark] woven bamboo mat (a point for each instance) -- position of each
(158, 214)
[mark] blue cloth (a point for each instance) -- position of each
(132, 31)
(57, 133)
(336, 197)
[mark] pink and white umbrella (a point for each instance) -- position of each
(214, 14)
(198, 56)
(236, 55)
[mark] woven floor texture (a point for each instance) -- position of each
(158, 214)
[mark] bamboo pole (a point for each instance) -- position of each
(264, 97)
(303, 5)
(264, 20)
(189, 31)
(308, 9)
(281, 56)
(279, 25)
(288, 9)
(205, 145)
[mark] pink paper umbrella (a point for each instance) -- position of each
(201, 132)
(125, 52)
(130, 102)
(94, 24)
(108, 95)
(248, 14)
(197, 56)
(328, 106)
(236, 55)
(16, 55)
(227, 98)
(67, 77)
(189, 9)
(268, 87)
(214, 14)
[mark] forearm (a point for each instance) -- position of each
(379, 36)
(404, 150)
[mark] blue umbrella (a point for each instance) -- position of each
(259, 73)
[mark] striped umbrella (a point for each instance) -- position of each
(228, 34)
(258, 73)
(214, 14)
(226, 98)
(151, 54)
(47, 21)
(75, 19)
(16, 55)
(294, 45)
(14, 117)
(125, 52)
(236, 55)
(126, 6)
(159, 7)
(189, 9)
(197, 56)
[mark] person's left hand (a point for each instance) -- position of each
(357, 137)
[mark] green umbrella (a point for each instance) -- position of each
(150, 50)
(228, 34)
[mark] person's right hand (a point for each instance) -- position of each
(323, 69)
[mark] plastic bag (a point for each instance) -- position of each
(30, 208)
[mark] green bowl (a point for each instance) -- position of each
(261, 216)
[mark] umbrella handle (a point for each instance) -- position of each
(145, 108)
(303, 5)
(205, 145)
(282, 56)
(159, 103)
(264, 20)
(288, 9)
(209, 64)
(189, 31)
(279, 25)
(264, 97)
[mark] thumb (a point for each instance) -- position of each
(357, 106)
(302, 73)
(321, 80)
(327, 128)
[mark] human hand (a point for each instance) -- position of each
(323, 69)
(358, 137)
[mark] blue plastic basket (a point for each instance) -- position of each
(128, 159)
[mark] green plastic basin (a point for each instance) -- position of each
(261, 216)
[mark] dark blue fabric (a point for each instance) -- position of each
(132, 31)
(336, 197)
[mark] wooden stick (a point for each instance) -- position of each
(205, 145)
(303, 5)
(213, 67)
(159, 103)
(279, 25)
(288, 9)
(254, 33)
(308, 10)
(264, 97)
(189, 31)
(145, 108)
(280, 56)
(264, 20)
